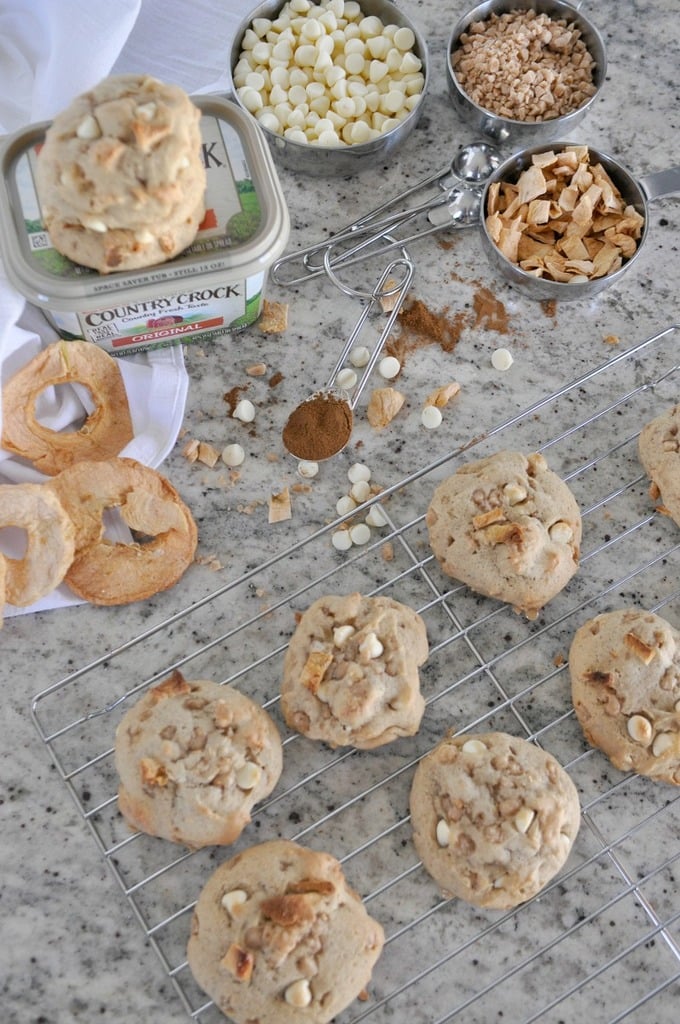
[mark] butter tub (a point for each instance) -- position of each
(215, 287)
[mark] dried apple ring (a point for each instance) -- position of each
(106, 430)
(50, 544)
(106, 572)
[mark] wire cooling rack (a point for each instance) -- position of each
(602, 941)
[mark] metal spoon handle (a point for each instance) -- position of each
(660, 184)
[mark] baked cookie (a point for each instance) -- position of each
(279, 937)
(193, 757)
(120, 175)
(509, 528)
(659, 451)
(350, 674)
(625, 684)
(494, 818)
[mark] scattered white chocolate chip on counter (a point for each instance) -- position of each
(308, 469)
(341, 540)
(431, 417)
(244, 411)
(389, 367)
(360, 534)
(233, 455)
(360, 491)
(358, 471)
(501, 359)
(376, 516)
(345, 504)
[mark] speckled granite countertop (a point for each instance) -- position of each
(604, 943)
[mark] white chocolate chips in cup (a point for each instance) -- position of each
(326, 75)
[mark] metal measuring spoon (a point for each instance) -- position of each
(321, 426)
(471, 165)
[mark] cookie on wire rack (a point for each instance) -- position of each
(350, 674)
(625, 680)
(494, 818)
(193, 758)
(279, 937)
(508, 527)
(659, 452)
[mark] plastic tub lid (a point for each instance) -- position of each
(245, 229)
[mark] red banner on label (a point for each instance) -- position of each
(169, 332)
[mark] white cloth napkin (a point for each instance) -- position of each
(50, 51)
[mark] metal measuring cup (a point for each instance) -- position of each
(636, 192)
(523, 133)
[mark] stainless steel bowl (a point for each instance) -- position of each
(636, 192)
(524, 133)
(318, 161)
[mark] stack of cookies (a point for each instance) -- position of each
(120, 175)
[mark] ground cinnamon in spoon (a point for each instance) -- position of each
(318, 428)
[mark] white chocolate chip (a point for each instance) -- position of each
(341, 634)
(360, 534)
(514, 493)
(248, 776)
(561, 532)
(502, 359)
(145, 237)
(94, 224)
(232, 901)
(341, 540)
(360, 491)
(640, 729)
(298, 994)
(389, 367)
(662, 744)
(370, 647)
(473, 747)
(358, 472)
(431, 417)
(308, 469)
(233, 455)
(147, 111)
(359, 356)
(346, 379)
(88, 128)
(244, 411)
(376, 516)
(443, 833)
(345, 504)
(524, 818)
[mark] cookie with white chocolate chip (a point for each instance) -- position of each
(278, 936)
(193, 757)
(508, 527)
(350, 674)
(659, 451)
(120, 175)
(625, 680)
(494, 818)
